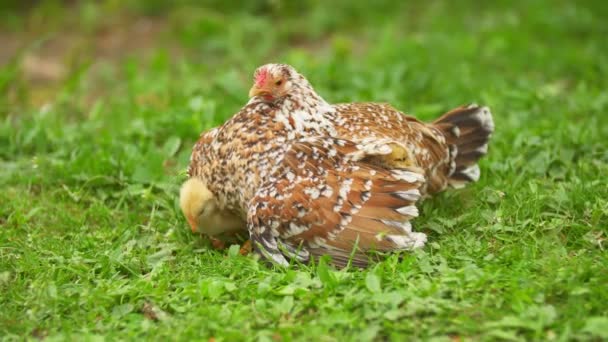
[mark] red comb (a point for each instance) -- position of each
(260, 78)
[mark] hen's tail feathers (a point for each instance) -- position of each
(467, 130)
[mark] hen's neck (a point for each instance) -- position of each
(306, 112)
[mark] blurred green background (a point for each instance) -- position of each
(101, 101)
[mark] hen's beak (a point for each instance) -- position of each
(255, 91)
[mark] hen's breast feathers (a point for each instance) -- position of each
(237, 157)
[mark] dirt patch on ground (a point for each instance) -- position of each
(44, 60)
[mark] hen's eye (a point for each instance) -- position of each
(279, 82)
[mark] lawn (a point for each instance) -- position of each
(101, 102)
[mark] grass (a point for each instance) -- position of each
(92, 152)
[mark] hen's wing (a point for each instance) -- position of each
(415, 143)
(325, 199)
(446, 150)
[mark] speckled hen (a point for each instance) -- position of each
(310, 178)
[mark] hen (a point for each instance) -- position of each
(310, 178)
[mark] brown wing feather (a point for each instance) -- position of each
(327, 199)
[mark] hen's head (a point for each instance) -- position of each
(203, 212)
(272, 82)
